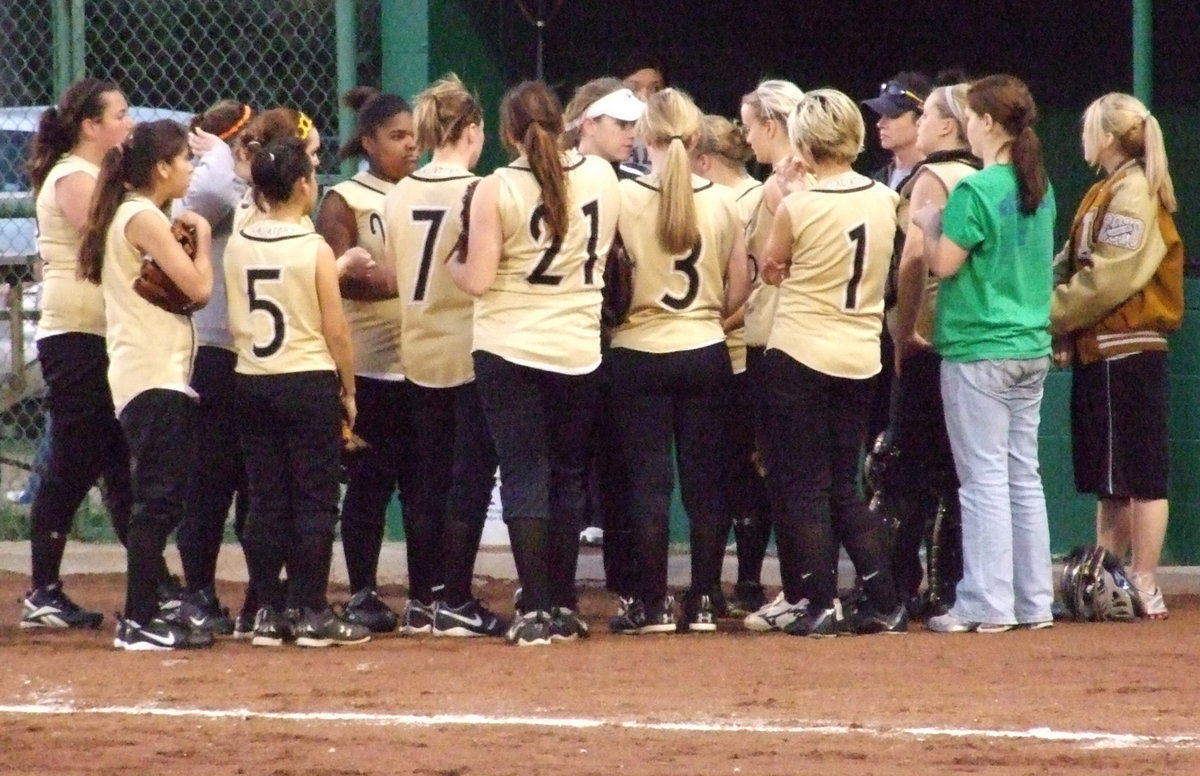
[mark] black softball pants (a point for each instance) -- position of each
(291, 440)
(665, 399)
(160, 428)
(815, 429)
(220, 470)
(86, 443)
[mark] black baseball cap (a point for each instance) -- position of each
(905, 92)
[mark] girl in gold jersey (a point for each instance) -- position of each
(721, 157)
(670, 366)
(444, 515)
(829, 250)
(351, 215)
(85, 439)
(540, 233)
(150, 353)
(295, 361)
(764, 113)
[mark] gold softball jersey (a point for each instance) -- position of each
(148, 347)
(374, 325)
(68, 303)
(677, 299)
(760, 306)
(543, 309)
(747, 193)
(248, 211)
(830, 311)
(423, 217)
(948, 173)
(274, 314)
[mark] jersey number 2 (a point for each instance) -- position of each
(541, 273)
(265, 304)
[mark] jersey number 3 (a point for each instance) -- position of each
(260, 302)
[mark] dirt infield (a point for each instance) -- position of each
(1104, 699)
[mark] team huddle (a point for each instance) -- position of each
(621, 304)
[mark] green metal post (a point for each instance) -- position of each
(78, 41)
(1143, 51)
(62, 47)
(346, 21)
(405, 45)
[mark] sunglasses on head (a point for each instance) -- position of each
(896, 89)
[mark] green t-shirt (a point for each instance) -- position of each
(998, 303)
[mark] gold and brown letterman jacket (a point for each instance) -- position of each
(1119, 280)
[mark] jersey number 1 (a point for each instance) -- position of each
(857, 237)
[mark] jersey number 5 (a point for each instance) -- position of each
(541, 273)
(265, 304)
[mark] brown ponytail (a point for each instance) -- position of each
(531, 116)
(1008, 101)
(59, 126)
(128, 167)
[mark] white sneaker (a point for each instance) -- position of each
(1152, 600)
(592, 536)
(776, 615)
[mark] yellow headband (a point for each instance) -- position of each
(304, 125)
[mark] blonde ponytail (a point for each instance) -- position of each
(672, 121)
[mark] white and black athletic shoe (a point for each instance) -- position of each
(49, 607)
(639, 618)
(203, 611)
(466, 621)
(417, 618)
(776, 615)
(531, 629)
(158, 636)
(567, 625)
(328, 628)
(270, 628)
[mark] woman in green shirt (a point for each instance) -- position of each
(991, 331)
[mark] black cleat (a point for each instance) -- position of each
(49, 607)
(203, 611)
(367, 608)
(469, 620)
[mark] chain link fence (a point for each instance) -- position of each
(168, 55)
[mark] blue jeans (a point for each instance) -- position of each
(992, 413)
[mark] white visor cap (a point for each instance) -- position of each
(622, 105)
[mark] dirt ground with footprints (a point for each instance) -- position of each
(1096, 698)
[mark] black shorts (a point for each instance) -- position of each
(1119, 427)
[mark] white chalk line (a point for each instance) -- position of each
(1089, 739)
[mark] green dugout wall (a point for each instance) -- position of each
(491, 46)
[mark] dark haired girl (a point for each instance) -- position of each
(350, 216)
(295, 361)
(150, 352)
